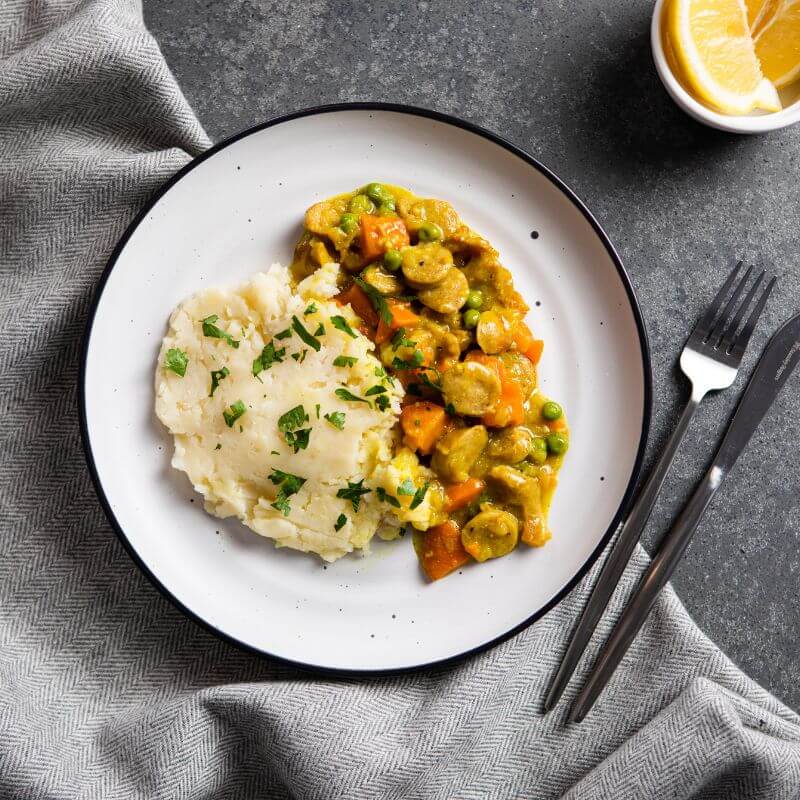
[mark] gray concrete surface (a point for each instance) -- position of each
(573, 83)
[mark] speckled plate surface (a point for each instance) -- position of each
(237, 209)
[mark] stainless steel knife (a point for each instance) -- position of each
(772, 371)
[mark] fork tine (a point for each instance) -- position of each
(703, 327)
(728, 337)
(722, 320)
(740, 345)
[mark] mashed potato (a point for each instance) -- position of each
(315, 479)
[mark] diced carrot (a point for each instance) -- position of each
(458, 495)
(423, 425)
(379, 234)
(402, 317)
(442, 551)
(359, 302)
(534, 352)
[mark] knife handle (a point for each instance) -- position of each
(654, 580)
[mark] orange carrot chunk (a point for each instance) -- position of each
(360, 303)
(442, 551)
(402, 317)
(423, 425)
(379, 234)
(526, 343)
(534, 352)
(458, 495)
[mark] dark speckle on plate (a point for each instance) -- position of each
(534, 234)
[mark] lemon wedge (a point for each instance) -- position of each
(715, 53)
(778, 44)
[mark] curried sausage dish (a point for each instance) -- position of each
(478, 447)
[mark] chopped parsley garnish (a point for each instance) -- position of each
(219, 446)
(310, 309)
(380, 372)
(344, 361)
(289, 425)
(346, 394)
(301, 356)
(274, 452)
(336, 418)
(310, 340)
(288, 485)
(377, 299)
(399, 340)
(424, 377)
(354, 492)
(340, 522)
(407, 488)
(176, 360)
(216, 376)
(385, 497)
(382, 402)
(285, 334)
(317, 410)
(210, 329)
(419, 496)
(231, 415)
(377, 389)
(269, 356)
(320, 331)
(340, 323)
(416, 360)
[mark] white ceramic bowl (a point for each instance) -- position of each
(757, 122)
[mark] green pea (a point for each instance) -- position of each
(392, 259)
(361, 204)
(377, 192)
(348, 222)
(470, 317)
(551, 411)
(556, 443)
(387, 206)
(430, 232)
(474, 298)
(538, 452)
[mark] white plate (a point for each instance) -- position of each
(238, 208)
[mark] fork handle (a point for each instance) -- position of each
(620, 555)
(645, 596)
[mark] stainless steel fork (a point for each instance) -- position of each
(710, 360)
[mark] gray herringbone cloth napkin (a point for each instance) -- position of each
(106, 691)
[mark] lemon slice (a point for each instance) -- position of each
(759, 12)
(778, 44)
(713, 46)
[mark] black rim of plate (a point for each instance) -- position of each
(528, 159)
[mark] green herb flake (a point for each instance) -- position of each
(310, 340)
(377, 299)
(450, 409)
(380, 372)
(340, 323)
(289, 425)
(373, 390)
(269, 356)
(340, 522)
(419, 496)
(285, 334)
(219, 446)
(216, 376)
(233, 413)
(288, 485)
(382, 402)
(317, 410)
(385, 497)
(311, 309)
(336, 418)
(344, 361)
(399, 340)
(210, 329)
(301, 356)
(354, 492)
(275, 452)
(346, 394)
(176, 361)
(320, 331)
(407, 488)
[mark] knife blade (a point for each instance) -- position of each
(776, 364)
